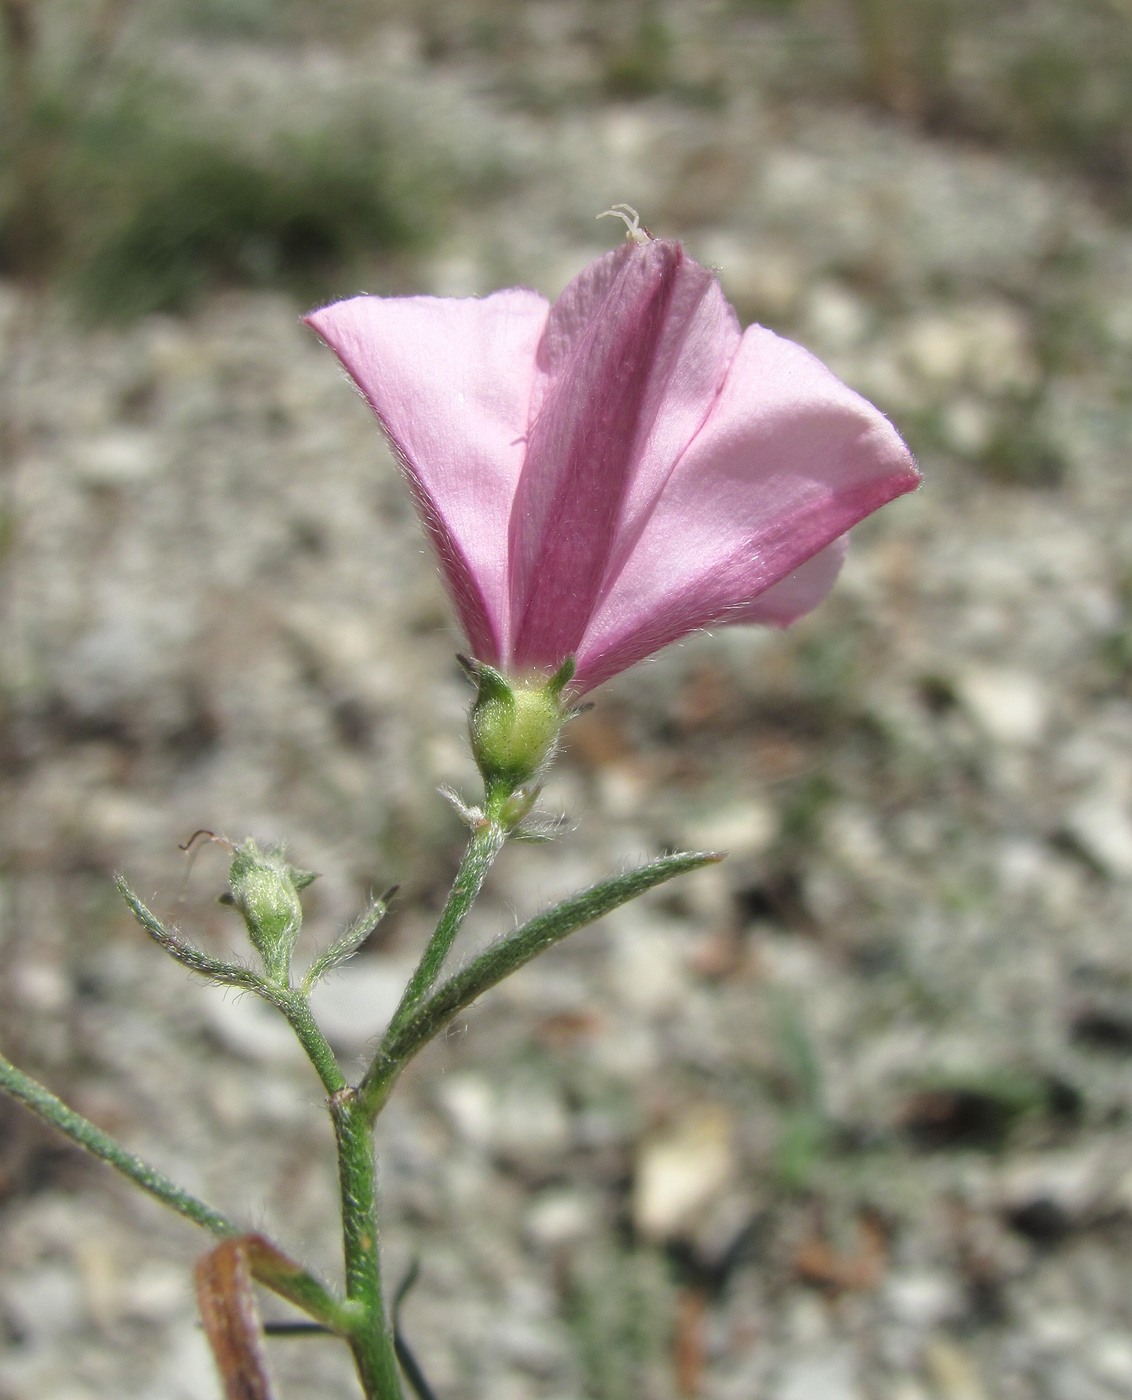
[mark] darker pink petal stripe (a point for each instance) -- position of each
(603, 476)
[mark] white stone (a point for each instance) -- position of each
(1110, 1359)
(156, 1292)
(952, 1372)
(531, 1120)
(188, 1371)
(682, 1171)
(468, 1102)
(985, 345)
(43, 987)
(46, 1304)
(648, 960)
(835, 316)
(921, 1300)
(967, 424)
(828, 1376)
(560, 1217)
(122, 457)
(1101, 825)
(771, 277)
(1008, 705)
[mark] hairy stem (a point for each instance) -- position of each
(293, 1005)
(370, 1336)
(486, 842)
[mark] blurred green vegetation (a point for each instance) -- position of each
(137, 194)
(140, 208)
(613, 1303)
(170, 213)
(804, 1129)
(122, 185)
(1050, 79)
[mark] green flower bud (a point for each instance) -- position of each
(265, 889)
(514, 729)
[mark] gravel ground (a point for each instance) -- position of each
(844, 1118)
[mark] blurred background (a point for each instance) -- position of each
(845, 1118)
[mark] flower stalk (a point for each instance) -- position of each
(484, 844)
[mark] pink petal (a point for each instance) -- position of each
(635, 353)
(451, 383)
(789, 460)
(799, 592)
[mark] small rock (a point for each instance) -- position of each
(1102, 828)
(42, 988)
(1059, 1329)
(985, 345)
(532, 1122)
(952, 1372)
(831, 1376)
(1009, 706)
(648, 961)
(834, 317)
(746, 828)
(526, 1120)
(46, 1303)
(759, 275)
(682, 1171)
(155, 1293)
(123, 457)
(560, 1217)
(1071, 1183)
(921, 1300)
(187, 1370)
(468, 1102)
(967, 425)
(1110, 1359)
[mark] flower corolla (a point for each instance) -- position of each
(601, 476)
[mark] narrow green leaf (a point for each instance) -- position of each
(346, 946)
(510, 953)
(82, 1131)
(227, 974)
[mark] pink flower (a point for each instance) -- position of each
(605, 475)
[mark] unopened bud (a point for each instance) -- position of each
(514, 728)
(265, 889)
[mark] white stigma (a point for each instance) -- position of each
(634, 229)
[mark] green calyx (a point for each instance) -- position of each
(265, 889)
(514, 731)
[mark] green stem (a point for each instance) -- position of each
(484, 845)
(369, 1336)
(293, 1004)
